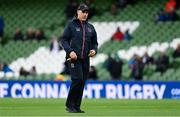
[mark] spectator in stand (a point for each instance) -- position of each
(70, 9)
(92, 9)
(176, 53)
(161, 16)
(137, 69)
(170, 6)
(30, 34)
(5, 68)
(173, 16)
(18, 35)
(2, 25)
(118, 35)
(92, 73)
(162, 63)
(132, 62)
(23, 72)
(147, 59)
(54, 45)
(114, 9)
(127, 36)
(108, 62)
(114, 66)
(171, 10)
(39, 34)
(169, 14)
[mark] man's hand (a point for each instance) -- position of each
(92, 53)
(73, 55)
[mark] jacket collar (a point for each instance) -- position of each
(76, 19)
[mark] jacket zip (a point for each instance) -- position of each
(82, 52)
(70, 43)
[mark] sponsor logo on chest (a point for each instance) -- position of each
(78, 29)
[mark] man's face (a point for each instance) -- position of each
(82, 15)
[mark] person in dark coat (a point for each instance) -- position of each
(114, 66)
(137, 69)
(162, 63)
(18, 35)
(79, 40)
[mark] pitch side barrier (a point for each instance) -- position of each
(93, 89)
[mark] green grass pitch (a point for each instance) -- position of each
(93, 107)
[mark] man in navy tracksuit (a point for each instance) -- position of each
(79, 40)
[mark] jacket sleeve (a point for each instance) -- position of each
(94, 42)
(66, 38)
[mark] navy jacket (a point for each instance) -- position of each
(79, 37)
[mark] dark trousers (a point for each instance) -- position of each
(79, 70)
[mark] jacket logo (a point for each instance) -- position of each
(77, 29)
(72, 65)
